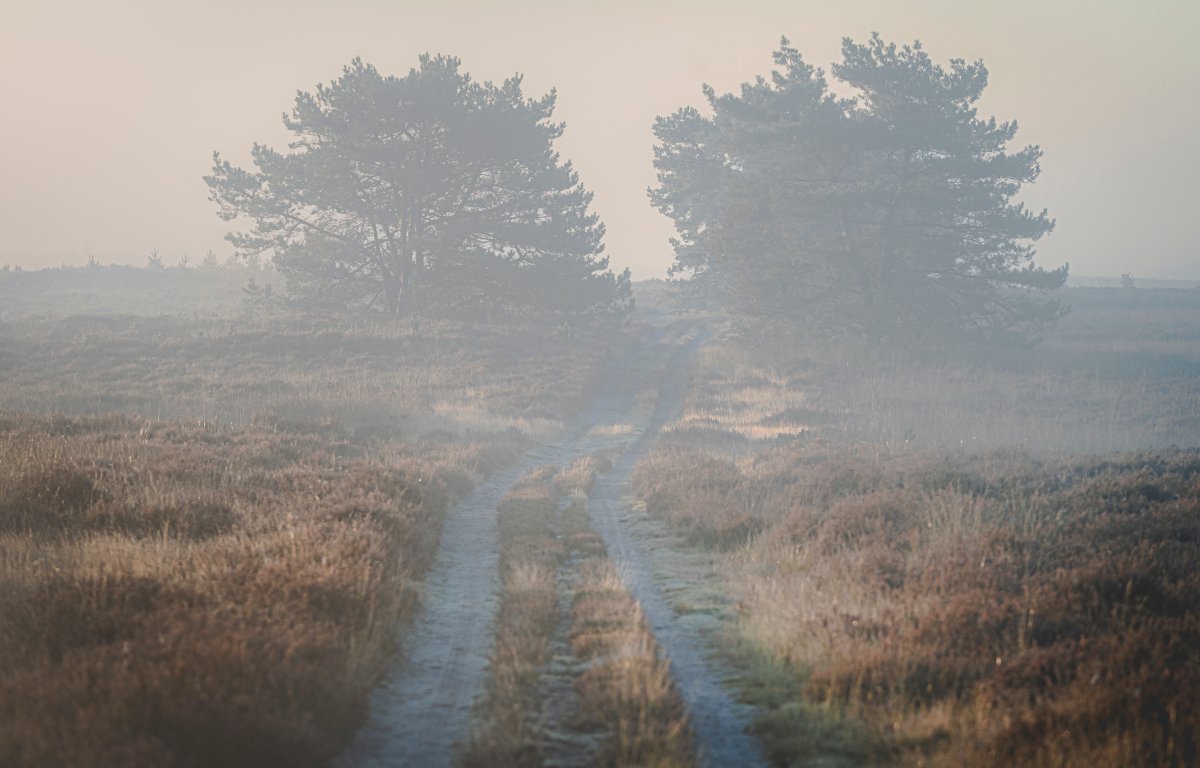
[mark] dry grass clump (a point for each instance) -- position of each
(510, 729)
(739, 393)
(540, 529)
(998, 610)
(628, 686)
(700, 493)
(577, 478)
(197, 595)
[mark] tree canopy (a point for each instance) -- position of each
(430, 189)
(886, 213)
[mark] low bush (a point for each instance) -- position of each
(191, 595)
(994, 609)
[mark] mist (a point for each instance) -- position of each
(114, 109)
(578, 384)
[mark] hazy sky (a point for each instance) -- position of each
(112, 109)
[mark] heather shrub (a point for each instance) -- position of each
(988, 609)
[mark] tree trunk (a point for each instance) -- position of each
(391, 291)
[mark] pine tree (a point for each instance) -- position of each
(889, 215)
(429, 188)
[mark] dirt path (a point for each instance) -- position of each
(719, 722)
(422, 713)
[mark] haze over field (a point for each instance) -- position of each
(113, 109)
(332, 435)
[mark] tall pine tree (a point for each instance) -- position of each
(429, 188)
(887, 215)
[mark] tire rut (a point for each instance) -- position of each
(421, 714)
(719, 722)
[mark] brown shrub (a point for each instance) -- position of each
(47, 500)
(200, 595)
(996, 609)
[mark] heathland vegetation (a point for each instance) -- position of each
(208, 289)
(213, 528)
(225, 490)
(956, 559)
(214, 569)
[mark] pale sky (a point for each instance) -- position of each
(112, 109)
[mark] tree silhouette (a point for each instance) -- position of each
(886, 215)
(426, 188)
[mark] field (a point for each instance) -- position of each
(175, 593)
(204, 290)
(224, 530)
(211, 530)
(956, 560)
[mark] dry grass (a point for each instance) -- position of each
(543, 523)
(185, 595)
(1122, 372)
(388, 379)
(510, 720)
(626, 699)
(96, 290)
(753, 402)
(990, 610)
(903, 604)
(628, 686)
(224, 587)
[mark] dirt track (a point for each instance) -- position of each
(422, 713)
(718, 720)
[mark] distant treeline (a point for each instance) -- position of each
(232, 287)
(119, 289)
(1086, 281)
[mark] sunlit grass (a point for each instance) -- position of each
(215, 569)
(953, 558)
(152, 570)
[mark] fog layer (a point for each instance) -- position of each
(113, 110)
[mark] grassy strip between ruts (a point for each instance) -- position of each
(628, 686)
(624, 696)
(201, 595)
(510, 732)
